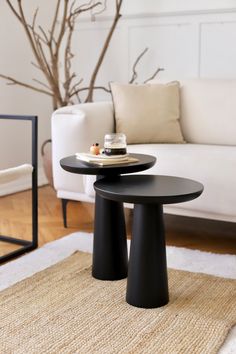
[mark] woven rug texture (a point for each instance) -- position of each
(64, 310)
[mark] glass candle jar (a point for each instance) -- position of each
(115, 144)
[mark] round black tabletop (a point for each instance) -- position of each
(142, 189)
(74, 165)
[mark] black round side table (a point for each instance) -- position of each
(110, 258)
(147, 284)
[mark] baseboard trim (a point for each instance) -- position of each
(23, 184)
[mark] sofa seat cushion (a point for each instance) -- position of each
(214, 166)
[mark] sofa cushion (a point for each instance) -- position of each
(208, 111)
(212, 165)
(147, 113)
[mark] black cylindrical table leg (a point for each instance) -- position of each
(110, 259)
(147, 284)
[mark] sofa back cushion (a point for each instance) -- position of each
(147, 113)
(208, 111)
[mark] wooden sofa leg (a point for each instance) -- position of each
(64, 211)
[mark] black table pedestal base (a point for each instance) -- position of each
(110, 258)
(147, 285)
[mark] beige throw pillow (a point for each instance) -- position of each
(147, 113)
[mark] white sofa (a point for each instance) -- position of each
(208, 122)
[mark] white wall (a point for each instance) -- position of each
(187, 41)
(15, 60)
(188, 38)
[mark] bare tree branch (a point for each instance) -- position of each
(86, 7)
(54, 22)
(44, 59)
(13, 10)
(117, 16)
(135, 74)
(46, 40)
(31, 37)
(36, 66)
(46, 46)
(35, 16)
(63, 28)
(94, 14)
(53, 54)
(87, 89)
(154, 75)
(16, 82)
(73, 90)
(41, 83)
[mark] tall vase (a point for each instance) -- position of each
(46, 153)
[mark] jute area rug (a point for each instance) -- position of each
(62, 309)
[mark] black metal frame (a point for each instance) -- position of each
(32, 244)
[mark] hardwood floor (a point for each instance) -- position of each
(15, 220)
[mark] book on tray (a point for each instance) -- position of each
(104, 160)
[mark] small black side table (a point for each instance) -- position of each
(110, 259)
(147, 285)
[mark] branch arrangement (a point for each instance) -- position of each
(52, 50)
(48, 47)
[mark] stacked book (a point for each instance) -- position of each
(105, 160)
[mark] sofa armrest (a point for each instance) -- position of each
(74, 129)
